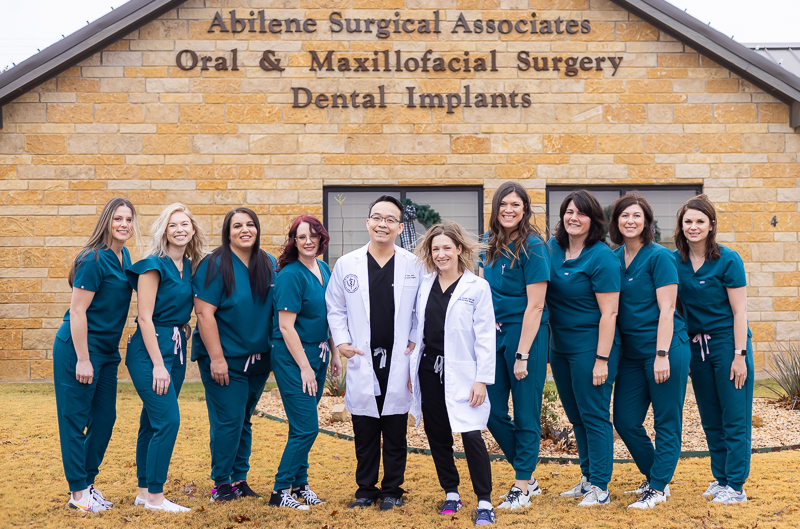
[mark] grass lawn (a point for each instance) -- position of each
(29, 451)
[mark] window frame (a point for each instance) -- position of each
(383, 190)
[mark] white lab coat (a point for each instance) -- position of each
(347, 299)
(469, 350)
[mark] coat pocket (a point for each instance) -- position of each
(460, 378)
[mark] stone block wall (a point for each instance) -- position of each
(128, 122)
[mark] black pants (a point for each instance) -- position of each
(367, 432)
(440, 439)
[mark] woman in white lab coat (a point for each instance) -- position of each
(453, 361)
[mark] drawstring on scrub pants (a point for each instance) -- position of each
(325, 351)
(438, 367)
(176, 337)
(700, 338)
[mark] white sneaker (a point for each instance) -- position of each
(139, 501)
(595, 496)
(648, 500)
(99, 498)
(642, 488)
(515, 499)
(166, 506)
(713, 489)
(87, 503)
(578, 490)
(730, 496)
(533, 488)
(284, 498)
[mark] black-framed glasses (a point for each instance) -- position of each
(390, 220)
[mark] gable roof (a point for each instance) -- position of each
(718, 47)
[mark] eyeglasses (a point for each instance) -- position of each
(390, 221)
(303, 238)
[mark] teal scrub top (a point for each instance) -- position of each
(637, 320)
(100, 271)
(298, 290)
(174, 297)
(244, 323)
(574, 312)
(703, 293)
(508, 283)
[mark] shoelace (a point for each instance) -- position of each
(699, 338)
(647, 495)
(310, 497)
(512, 496)
(482, 514)
(287, 500)
(448, 505)
(176, 337)
(643, 486)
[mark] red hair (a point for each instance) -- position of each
(289, 250)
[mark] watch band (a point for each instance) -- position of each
(662, 352)
(603, 358)
(740, 352)
(522, 356)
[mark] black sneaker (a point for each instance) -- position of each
(222, 493)
(387, 504)
(361, 503)
(243, 490)
(307, 495)
(284, 498)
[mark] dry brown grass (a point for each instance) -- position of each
(35, 492)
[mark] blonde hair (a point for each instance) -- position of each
(469, 246)
(195, 250)
(101, 237)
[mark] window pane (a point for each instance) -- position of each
(456, 206)
(347, 217)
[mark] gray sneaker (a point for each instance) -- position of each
(713, 489)
(729, 495)
(578, 490)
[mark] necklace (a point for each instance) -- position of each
(569, 255)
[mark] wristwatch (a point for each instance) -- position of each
(603, 358)
(662, 352)
(740, 352)
(522, 356)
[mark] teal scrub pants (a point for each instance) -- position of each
(89, 408)
(160, 418)
(634, 390)
(518, 438)
(725, 412)
(229, 411)
(301, 411)
(587, 407)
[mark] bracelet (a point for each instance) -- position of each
(603, 358)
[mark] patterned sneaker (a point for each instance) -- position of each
(139, 501)
(729, 495)
(515, 499)
(648, 500)
(284, 498)
(450, 507)
(307, 494)
(483, 516)
(578, 490)
(713, 489)
(222, 493)
(167, 506)
(243, 490)
(642, 488)
(87, 503)
(98, 497)
(534, 489)
(595, 496)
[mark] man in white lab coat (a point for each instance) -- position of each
(370, 298)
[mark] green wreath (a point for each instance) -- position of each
(426, 215)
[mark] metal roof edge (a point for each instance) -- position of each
(79, 45)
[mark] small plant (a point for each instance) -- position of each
(549, 417)
(785, 370)
(336, 385)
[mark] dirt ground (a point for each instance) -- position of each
(35, 494)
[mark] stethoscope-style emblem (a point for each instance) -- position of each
(351, 283)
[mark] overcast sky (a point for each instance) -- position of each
(36, 24)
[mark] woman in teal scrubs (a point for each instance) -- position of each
(517, 266)
(582, 300)
(233, 303)
(156, 352)
(300, 354)
(654, 366)
(712, 290)
(86, 351)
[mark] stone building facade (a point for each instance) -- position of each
(132, 119)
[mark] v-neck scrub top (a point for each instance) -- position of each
(298, 290)
(173, 305)
(509, 283)
(574, 311)
(100, 271)
(703, 293)
(244, 322)
(653, 267)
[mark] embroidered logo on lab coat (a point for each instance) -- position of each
(469, 301)
(411, 276)
(351, 283)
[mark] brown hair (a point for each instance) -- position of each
(497, 241)
(469, 246)
(589, 206)
(702, 204)
(633, 198)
